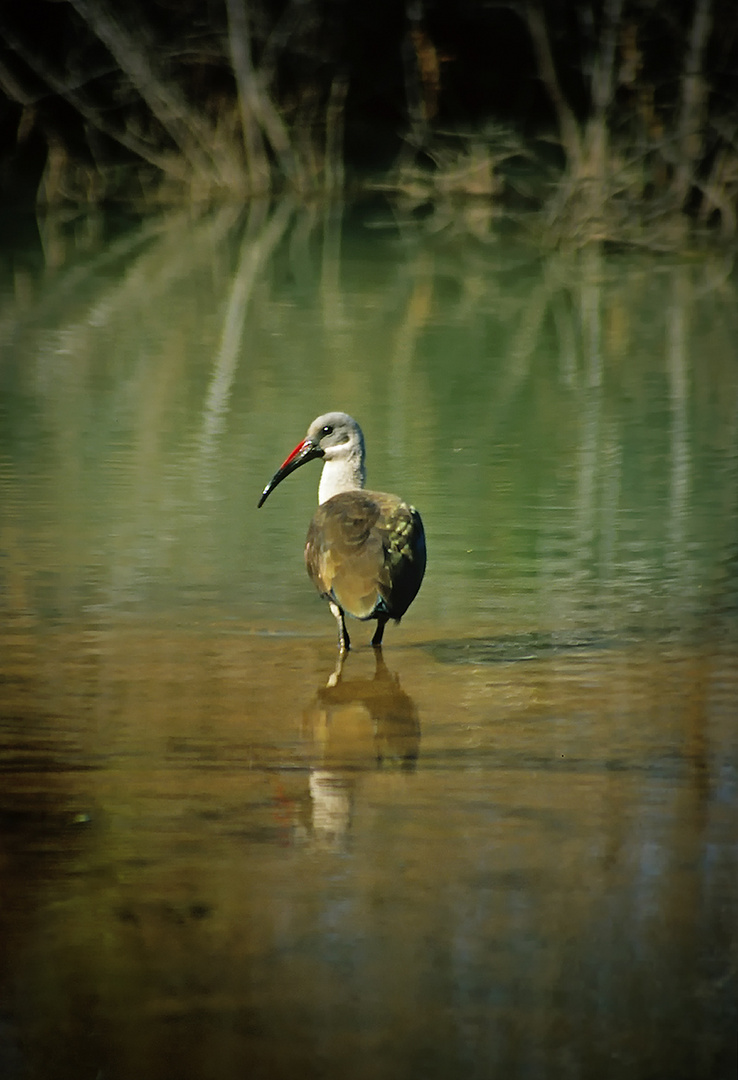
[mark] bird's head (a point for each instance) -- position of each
(335, 436)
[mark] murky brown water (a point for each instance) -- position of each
(508, 849)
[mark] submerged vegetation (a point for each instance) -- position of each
(616, 120)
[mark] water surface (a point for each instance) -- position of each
(505, 848)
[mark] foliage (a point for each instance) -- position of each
(617, 120)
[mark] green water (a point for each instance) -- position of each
(510, 852)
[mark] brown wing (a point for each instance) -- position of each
(404, 542)
(366, 551)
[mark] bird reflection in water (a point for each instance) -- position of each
(356, 725)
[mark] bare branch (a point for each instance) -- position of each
(167, 163)
(239, 41)
(603, 93)
(334, 169)
(603, 72)
(255, 102)
(694, 97)
(186, 129)
(12, 88)
(568, 127)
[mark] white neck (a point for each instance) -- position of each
(344, 473)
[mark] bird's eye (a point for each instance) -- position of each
(327, 430)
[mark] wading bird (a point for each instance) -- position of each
(365, 550)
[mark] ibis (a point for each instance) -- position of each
(365, 550)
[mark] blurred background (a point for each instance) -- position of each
(614, 120)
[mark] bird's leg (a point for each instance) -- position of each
(377, 639)
(381, 674)
(335, 677)
(344, 641)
